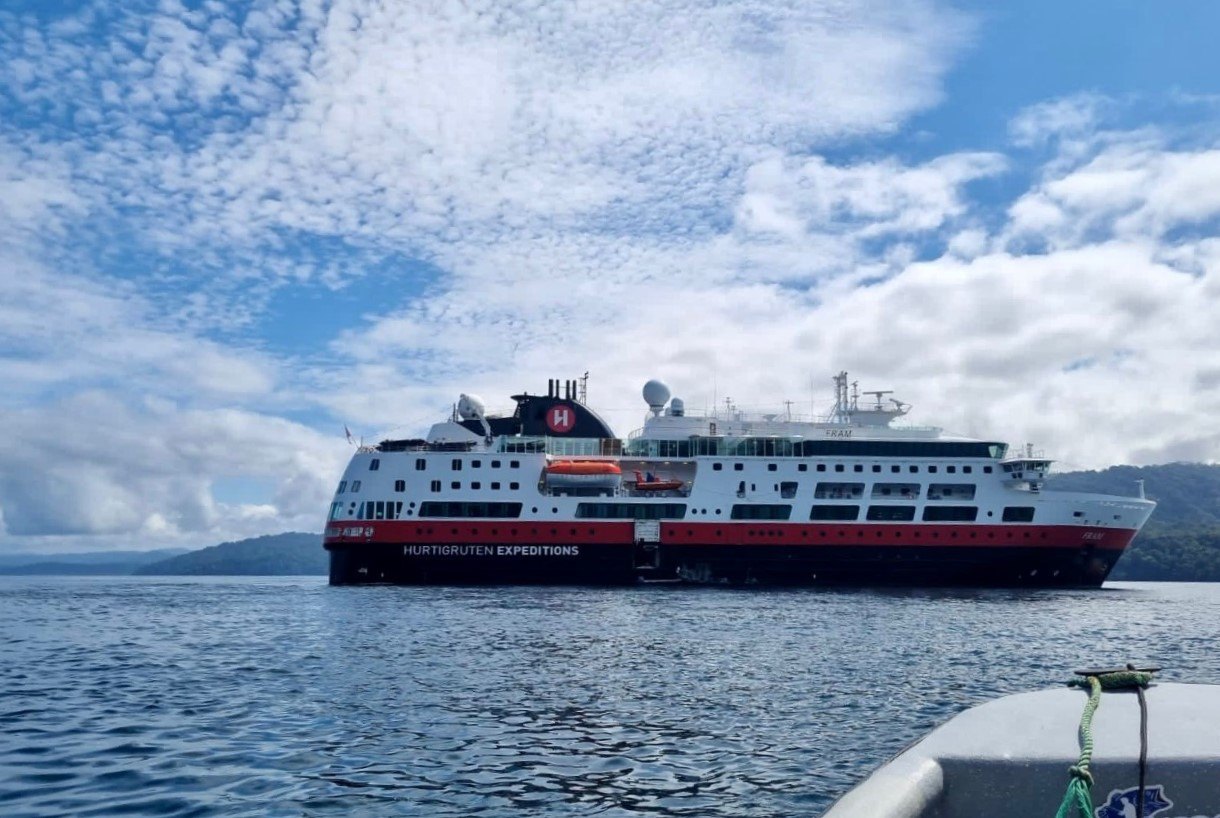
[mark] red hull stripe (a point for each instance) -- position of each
(759, 533)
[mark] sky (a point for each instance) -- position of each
(230, 229)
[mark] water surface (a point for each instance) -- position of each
(285, 697)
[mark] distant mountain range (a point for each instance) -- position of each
(291, 554)
(1181, 542)
(85, 564)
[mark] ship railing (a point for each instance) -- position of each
(560, 446)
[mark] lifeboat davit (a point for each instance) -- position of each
(651, 483)
(583, 473)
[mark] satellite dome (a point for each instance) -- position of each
(656, 395)
(677, 408)
(470, 407)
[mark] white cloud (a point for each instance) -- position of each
(636, 192)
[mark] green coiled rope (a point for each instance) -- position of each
(1078, 800)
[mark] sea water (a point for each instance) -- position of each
(285, 697)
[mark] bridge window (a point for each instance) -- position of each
(891, 513)
(342, 487)
(631, 511)
(375, 464)
(761, 511)
(458, 509)
(400, 485)
(355, 486)
(436, 485)
(831, 512)
(837, 491)
(896, 491)
(950, 514)
(420, 464)
(961, 492)
(457, 464)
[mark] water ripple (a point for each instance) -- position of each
(287, 698)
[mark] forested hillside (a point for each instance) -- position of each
(1182, 540)
(1186, 493)
(291, 554)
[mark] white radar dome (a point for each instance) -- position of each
(677, 408)
(470, 407)
(656, 395)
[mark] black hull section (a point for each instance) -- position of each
(813, 566)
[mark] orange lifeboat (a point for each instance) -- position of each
(651, 483)
(583, 473)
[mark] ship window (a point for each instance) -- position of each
(834, 513)
(495, 486)
(475, 464)
(342, 487)
(400, 485)
(514, 486)
(455, 484)
(375, 464)
(514, 464)
(931, 469)
(457, 464)
(738, 466)
(905, 491)
(913, 469)
(458, 509)
(760, 511)
(787, 488)
(355, 486)
(436, 485)
(951, 469)
(821, 467)
(379, 510)
(1018, 514)
(717, 466)
(895, 469)
(772, 467)
(420, 464)
(857, 467)
(476, 485)
(950, 514)
(891, 513)
(802, 467)
(631, 511)
(1077, 513)
(876, 469)
(837, 491)
(951, 491)
(495, 464)
(838, 467)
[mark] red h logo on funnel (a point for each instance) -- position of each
(560, 419)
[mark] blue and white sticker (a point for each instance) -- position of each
(1121, 803)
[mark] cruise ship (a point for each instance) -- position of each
(548, 494)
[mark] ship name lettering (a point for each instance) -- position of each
(838, 432)
(491, 550)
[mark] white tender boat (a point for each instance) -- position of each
(1011, 757)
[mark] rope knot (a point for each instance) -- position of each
(1076, 771)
